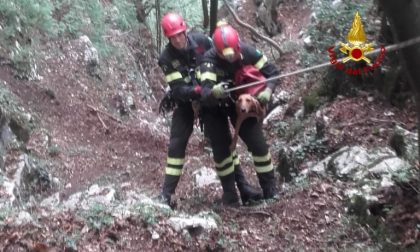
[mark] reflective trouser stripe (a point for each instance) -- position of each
(262, 158)
(173, 171)
(261, 62)
(235, 158)
(263, 164)
(175, 161)
(174, 166)
(225, 167)
(264, 169)
(229, 170)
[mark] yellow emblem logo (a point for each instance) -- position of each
(356, 47)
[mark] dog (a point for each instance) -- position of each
(246, 106)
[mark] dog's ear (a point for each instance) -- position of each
(260, 109)
(255, 105)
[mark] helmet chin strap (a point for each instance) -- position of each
(187, 42)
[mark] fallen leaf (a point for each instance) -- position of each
(40, 247)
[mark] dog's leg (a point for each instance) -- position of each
(238, 123)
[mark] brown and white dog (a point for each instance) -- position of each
(246, 106)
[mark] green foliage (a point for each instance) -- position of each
(404, 176)
(295, 128)
(312, 147)
(22, 22)
(189, 9)
(126, 18)
(290, 47)
(226, 243)
(311, 102)
(97, 217)
(296, 185)
(147, 213)
(23, 61)
(81, 17)
(331, 24)
(24, 18)
(5, 211)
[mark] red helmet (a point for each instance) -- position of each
(226, 40)
(172, 24)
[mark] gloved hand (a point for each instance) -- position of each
(264, 96)
(218, 90)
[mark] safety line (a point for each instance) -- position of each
(388, 48)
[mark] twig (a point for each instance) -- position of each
(105, 113)
(253, 30)
(102, 121)
(387, 121)
(246, 211)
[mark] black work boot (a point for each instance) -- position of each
(230, 196)
(268, 184)
(168, 188)
(248, 193)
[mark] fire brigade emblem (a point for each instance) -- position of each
(356, 47)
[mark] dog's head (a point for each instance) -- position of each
(246, 103)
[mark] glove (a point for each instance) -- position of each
(265, 96)
(218, 90)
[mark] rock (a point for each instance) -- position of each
(23, 218)
(185, 222)
(389, 166)
(299, 114)
(90, 53)
(98, 195)
(52, 201)
(371, 170)
(352, 162)
(273, 114)
(7, 188)
(73, 201)
(205, 176)
(155, 235)
(307, 42)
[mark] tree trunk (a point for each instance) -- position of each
(158, 29)
(205, 14)
(213, 15)
(140, 12)
(405, 24)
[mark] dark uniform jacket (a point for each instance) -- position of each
(179, 66)
(215, 70)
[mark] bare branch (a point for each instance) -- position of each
(243, 24)
(105, 113)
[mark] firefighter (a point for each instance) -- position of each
(219, 67)
(178, 62)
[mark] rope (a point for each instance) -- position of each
(388, 48)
